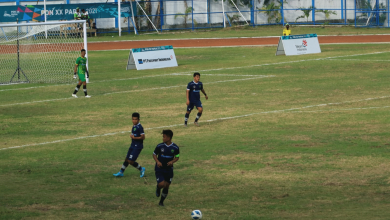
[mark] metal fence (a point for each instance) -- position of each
(196, 14)
(166, 15)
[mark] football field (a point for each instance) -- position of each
(299, 137)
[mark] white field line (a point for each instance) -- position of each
(171, 74)
(342, 109)
(229, 38)
(26, 103)
(256, 45)
(140, 90)
(141, 77)
(233, 80)
(361, 60)
(291, 110)
(3, 90)
(208, 70)
(135, 78)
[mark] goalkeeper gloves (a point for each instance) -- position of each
(74, 76)
(86, 72)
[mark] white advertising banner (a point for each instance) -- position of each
(151, 58)
(298, 45)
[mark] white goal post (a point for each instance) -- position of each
(41, 52)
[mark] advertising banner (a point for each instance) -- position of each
(298, 45)
(151, 58)
(35, 13)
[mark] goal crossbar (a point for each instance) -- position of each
(43, 23)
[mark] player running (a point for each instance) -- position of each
(165, 155)
(81, 69)
(137, 144)
(193, 98)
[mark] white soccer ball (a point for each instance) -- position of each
(196, 214)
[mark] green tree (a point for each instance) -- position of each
(306, 13)
(187, 12)
(272, 9)
(327, 13)
(234, 18)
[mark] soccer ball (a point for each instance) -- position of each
(196, 214)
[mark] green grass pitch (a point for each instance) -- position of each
(300, 137)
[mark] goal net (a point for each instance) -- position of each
(40, 52)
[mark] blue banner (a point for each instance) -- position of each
(298, 36)
(35, 13)
(147, 49)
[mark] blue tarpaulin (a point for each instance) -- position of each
(63, 11)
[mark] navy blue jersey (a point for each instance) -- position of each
(165, 154)
(137, 130)
(195, 89)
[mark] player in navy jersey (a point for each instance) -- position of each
(137, 144)
(193, 98)
(165, 155)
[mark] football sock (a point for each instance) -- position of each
(158, 191)
(125, 164)
(85, 89)
(198, 116)
(136, 165)
(164, 195)
(77, 89)
(186, 118)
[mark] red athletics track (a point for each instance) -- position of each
(223, 42)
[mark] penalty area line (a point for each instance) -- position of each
(134, 78)
(169, 87)
(290, 110)
(140, 90)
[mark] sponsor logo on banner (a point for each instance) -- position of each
(140, 61)
(156, 60)
(12, 14)
(302, 47)
(304, 43)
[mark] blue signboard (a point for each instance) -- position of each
(146, 49)
(298, 36)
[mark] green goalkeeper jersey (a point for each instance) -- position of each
(82, 65)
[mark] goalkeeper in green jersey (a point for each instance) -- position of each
(81, 69)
